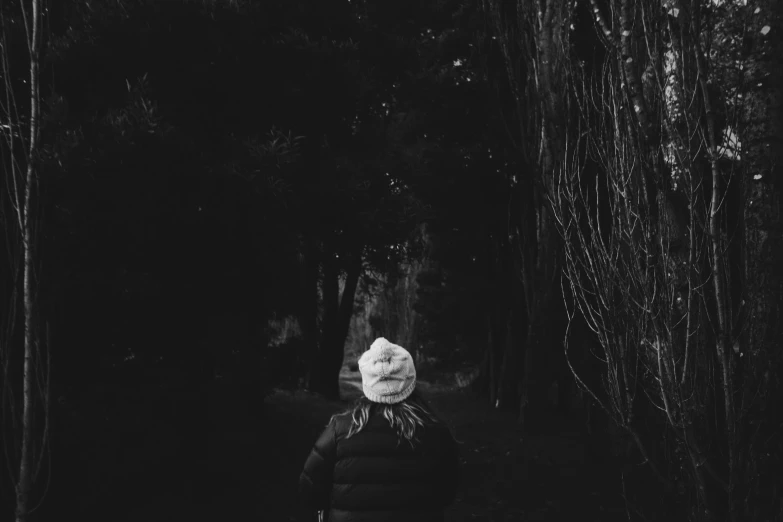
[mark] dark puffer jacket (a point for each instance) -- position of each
(370, 477)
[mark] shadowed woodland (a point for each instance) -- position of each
(569, 212)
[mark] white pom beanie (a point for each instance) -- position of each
(388, 374)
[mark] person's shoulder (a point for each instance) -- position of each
(341, 422)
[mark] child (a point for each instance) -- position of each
(387, 458)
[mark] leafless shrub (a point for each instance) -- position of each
(654, 203)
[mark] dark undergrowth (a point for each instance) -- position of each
(159, 452)
(548, 474)
(127, 451)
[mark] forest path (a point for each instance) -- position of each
(546, 475)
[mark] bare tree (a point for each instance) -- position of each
(21, 150)
(658, 205)
(533, 41)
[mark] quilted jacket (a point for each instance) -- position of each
(373, 477)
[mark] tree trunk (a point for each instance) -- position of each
(719, 282)
(495, 361)
(531, 37)
(483, 383)
(338, 311)
(27, 472)
(330, 289)
(25, 481)
(506, 388)
(308, 313)
(526, 384)
(761, 134)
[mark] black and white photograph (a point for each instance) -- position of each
(391, 260)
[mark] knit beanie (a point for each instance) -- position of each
(388, 374)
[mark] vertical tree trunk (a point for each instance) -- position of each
(761, 133)
(531, 38)
(526, 386)
(483, 383)
(27, 457)
(308, 313)
(506, 388)
(338, 311)
(24, 483)
(497, 359)
(719, 283)
(345, 313)
(330, 291)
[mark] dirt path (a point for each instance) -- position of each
(507, 477)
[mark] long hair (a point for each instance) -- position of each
(406, 416)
